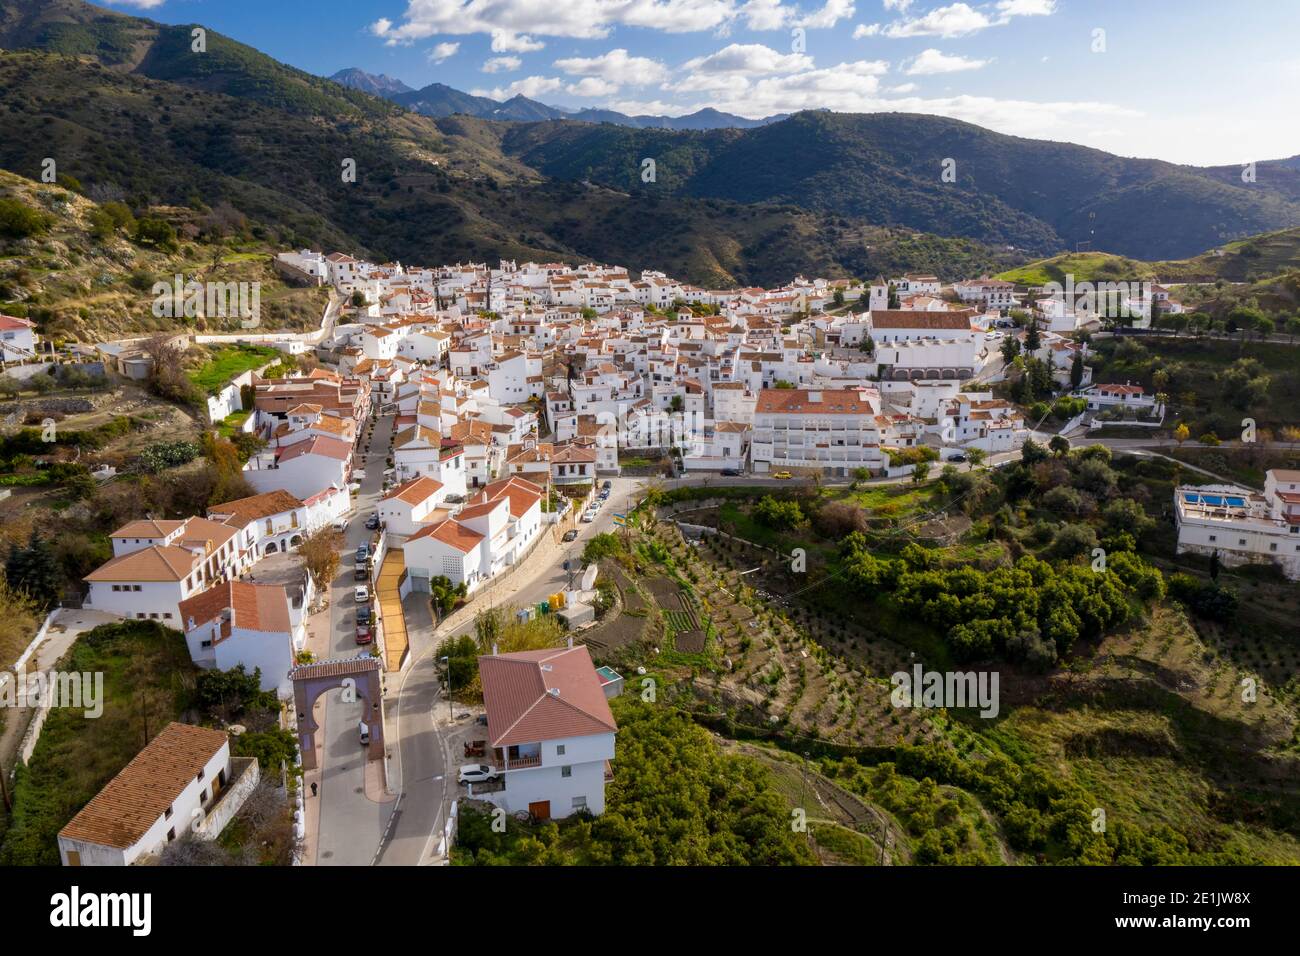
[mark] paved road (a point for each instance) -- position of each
(350, 822)
(427, 768)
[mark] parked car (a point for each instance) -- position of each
(372, 522)
(363, 614)
(783, 474)
(340, 526)
(958, 458)
(731, 473)
(363, 554)
(359, 573)
(588, 517)
(361, 593)
(355, 488)
(477, 773)
(571, 534)
(364, 635)
(608, 485)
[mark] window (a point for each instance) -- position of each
(1214, 537)
(168, 814)
(566, 771)
(559, 750)
(171, 834)
(199, 775)
(579, 803)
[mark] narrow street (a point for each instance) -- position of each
(352, 819)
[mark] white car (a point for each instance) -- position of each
(477, 773)
(340, 526)
(361, 593)
(589, 516)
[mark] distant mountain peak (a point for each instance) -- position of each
(377, 84)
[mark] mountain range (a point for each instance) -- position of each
(438, 100)
(129, 110)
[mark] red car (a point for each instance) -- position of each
(363, 634)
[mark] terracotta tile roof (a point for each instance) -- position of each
(450, 532)
(958, 320)
(317, 445)
(533, 696)
(240, 512)
(130, 803)
(797, 400)
(154, 563)
(414, 491)
(254, 607)
(147, 528)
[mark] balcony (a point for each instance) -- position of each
(517, 762)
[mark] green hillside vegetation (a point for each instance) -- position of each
(1212, 384)
(885, 167)
(86, 274)
(421, 195)
(148, 679)
(677, 799)
(1140, 715)
(1257, 259)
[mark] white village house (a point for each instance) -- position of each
(550, 732)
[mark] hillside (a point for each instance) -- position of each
(77, 285)
(1247, 260)
(424, 192)
(885, 167)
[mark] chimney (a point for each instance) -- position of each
(494, 649)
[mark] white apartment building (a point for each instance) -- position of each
(834, 430)
(1242, 525)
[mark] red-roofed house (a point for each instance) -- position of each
(550, 731)
(17, 339)
(411, 505)
(303, 468)
(238, 623)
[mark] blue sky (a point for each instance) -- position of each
(1190, 81)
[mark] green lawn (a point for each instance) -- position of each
(76, 756)
(225, 363)
(230, 426)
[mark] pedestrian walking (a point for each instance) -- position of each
(313, 789)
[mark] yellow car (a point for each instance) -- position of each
(782, 474)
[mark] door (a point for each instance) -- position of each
(541, 810)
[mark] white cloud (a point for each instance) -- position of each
(140, 4)
(581, 19)
(530, 86)
(748, 59)
(651, 108)
(443, 51)
(901, 89)
(929, 62)
(505, 42)
(956, 20)
(862, 30)
(616, 66)
(832, 13)
(765, 14)
(899, 5)
(1027, 8)
(843, 88)
(592, 86)
(501, 64)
